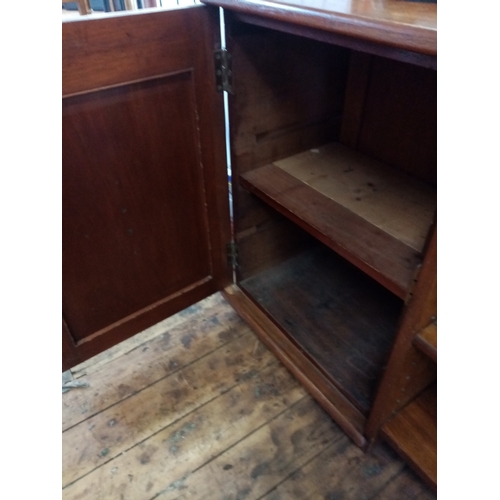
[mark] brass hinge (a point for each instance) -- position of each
(232, 254)
(223, 72)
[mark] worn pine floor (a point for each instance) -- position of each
(197, 408)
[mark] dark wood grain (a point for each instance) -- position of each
(399, 125)
(405, 25)
(357, 85)
(413, 433)
(133, 203)
(145, 203)
(388, 260)
(349, 418)
(269, 244)
(342, 320)
(390, 114)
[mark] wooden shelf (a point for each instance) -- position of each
(342, 320)
(426, 341)
(413, 433)
(374, 216)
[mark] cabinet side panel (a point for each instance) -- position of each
(408, 370)
(288, 97)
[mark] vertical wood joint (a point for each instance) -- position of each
(358, 80)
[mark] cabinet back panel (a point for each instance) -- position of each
(289, 94)
(390, 114)
(269, 244)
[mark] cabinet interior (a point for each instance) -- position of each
(334, 173)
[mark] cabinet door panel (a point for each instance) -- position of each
(145, 217)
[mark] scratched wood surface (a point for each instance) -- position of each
(200, 409)
(390, 200)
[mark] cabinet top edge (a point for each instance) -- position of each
(397, 23)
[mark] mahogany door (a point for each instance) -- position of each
(145, 202)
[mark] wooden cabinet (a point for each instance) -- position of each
(332, 116)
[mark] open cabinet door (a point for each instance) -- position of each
(145, 198)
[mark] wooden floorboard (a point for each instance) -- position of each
(193, 313)
(404, 486)
(343, 471)
(165, 349)
(257, 463)
(227, 423)
(134, 419)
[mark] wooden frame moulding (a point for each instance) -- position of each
(402, 31)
